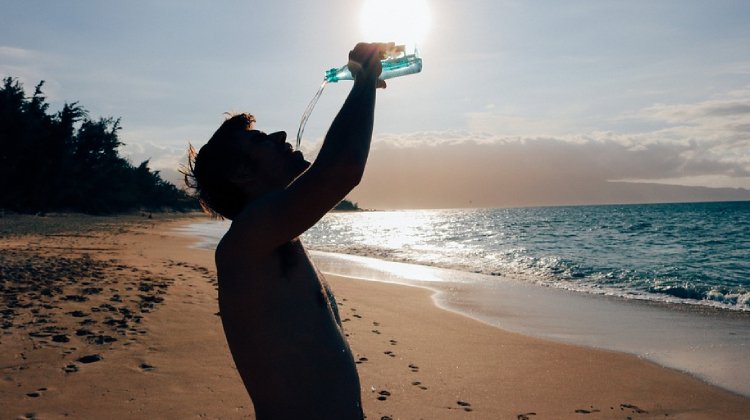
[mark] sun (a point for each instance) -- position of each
(404, 22)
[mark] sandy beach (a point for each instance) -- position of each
(118, 318)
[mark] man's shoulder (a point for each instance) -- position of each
(241, 235)
(241, 250)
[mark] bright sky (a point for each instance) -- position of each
(519, 103)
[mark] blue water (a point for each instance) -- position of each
(696, 253)
(692, 253)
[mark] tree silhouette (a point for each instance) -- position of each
(69, 162)
(346, 205)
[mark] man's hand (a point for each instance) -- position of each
(364, 60)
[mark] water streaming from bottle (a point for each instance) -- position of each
(395, 65)
(308, 111)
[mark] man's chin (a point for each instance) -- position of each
(301, 166)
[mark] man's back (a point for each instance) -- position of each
(281, 327)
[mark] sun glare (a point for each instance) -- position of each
(404, 22)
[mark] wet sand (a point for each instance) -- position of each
(120, 320)
(708, 343)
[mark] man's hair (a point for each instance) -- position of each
(209, 171)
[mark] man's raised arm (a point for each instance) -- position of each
(279, 216)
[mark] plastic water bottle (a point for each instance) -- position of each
(395, 65)
(392, 67)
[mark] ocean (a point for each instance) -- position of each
(696, 253)
(691, 253)
(667, 282)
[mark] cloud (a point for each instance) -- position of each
(641, 155)
(706, 144)
(164, 147)
(167, 160)
(14, 53)
(528, 171)
(493, 121)
(702, 144)
(103, 86)
(690, 114)
(716, 131)
(30, 67)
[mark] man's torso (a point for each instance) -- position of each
(280, 323)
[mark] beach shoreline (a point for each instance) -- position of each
(705, 342)
(416, 360)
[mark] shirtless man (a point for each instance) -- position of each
(279, 317)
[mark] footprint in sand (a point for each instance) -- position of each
(413, 367)
(100, 339)
(590, 410)
(525, 416)
(376, 331)
(83, 331)
(146, 367)
(357, 316)
(465, 405)
(361, 360)
(36, 394)
(393, 342)
(389, 353)
(91, 290)
(383, 395)
(636, 409)
(91, 358)
(419, 385)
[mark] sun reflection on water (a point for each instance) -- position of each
(405, 271)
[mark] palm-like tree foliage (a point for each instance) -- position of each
(69, 162)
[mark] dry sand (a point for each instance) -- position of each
(118, 319)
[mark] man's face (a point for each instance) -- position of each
(276, 163)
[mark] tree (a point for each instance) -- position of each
(68, 161)
(346, 205)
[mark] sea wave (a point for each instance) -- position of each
(693, 253)
(568, 275)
